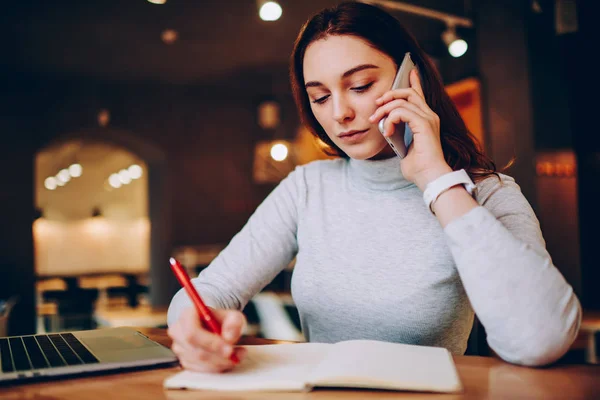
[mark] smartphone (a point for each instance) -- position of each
(402, 137)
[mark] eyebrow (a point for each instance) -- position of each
(344, 75)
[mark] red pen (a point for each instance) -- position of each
(204, 313)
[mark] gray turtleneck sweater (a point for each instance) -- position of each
(373, 263)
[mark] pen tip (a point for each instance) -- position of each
(172, 261)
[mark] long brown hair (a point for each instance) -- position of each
(385, 33)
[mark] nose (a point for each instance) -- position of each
(342, 110)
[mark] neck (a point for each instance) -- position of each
(378, 174)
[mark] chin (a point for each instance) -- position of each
(366, 151)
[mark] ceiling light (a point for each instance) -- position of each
(75, 170)
(269, 10)
(124, 177)
(135, 171)
(157, 1)
(456, 46)
(114, 181)
(64, 175)
(50, 183)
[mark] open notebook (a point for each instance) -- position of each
(352, 364)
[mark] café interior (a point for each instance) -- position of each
(136, 131)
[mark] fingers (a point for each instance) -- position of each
(415, 82)
(395, 117)
(413, 94)
(409, 95)
(201, 360)
(408, 105)
(399, 103)
(201, 350)
(232, 326)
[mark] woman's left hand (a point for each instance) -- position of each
(425, 159)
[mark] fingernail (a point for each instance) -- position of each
(226, 350)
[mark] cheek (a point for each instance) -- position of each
(367, 103)
(363, 104)
(322, 115)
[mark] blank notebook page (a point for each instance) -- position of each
(364, 363)
(268, 367)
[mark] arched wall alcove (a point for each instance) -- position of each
(163, 284)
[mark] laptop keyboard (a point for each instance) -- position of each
(23, 353)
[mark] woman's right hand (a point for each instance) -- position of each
(200, 350)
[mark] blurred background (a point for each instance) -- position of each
(132, 131)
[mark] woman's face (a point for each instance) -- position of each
(343, 76)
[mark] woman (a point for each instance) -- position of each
(373, 260)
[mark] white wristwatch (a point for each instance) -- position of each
(435, 188)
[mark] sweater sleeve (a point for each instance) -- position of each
(254, 256)
(530, 313)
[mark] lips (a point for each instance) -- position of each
(349, 134)
(353, 137)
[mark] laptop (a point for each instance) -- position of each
(34, 357)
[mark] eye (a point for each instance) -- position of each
(321, 100)
(363, 88)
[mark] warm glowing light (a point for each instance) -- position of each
(96, 228)
(75, 170)
(458, 48)
(135, 171)
(124, 176)
(157, 1)
(114, 181)
(279, 152)
(169, 36)
(103, 117)
(50, 183)
(64, 175)
(270, 11)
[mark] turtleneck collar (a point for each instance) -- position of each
(378, 175)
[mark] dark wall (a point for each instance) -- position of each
(551, 52)
(535, 82)
(534, 85)
(504, 72)
(16, 200)
(563, 119)
(581, 76)
(549, 81)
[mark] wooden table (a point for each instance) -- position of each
(482, 377)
